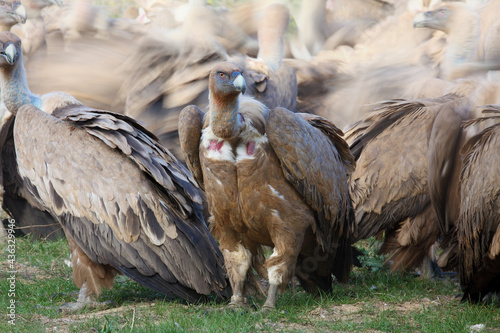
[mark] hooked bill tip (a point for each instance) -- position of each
(21, 14)
(239, 83)
(10, 52)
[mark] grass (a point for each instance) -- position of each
(374, 301)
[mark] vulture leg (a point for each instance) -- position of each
(280, 265)
(89, 277)
(237, 258)
(430, 269)
(85, 299)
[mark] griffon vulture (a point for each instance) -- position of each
(406, 154)
(11, 13)
(125, 203)
(272, 178)
(478, 226)
(465, 50)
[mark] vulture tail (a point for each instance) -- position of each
(412, 242)
(158, 284)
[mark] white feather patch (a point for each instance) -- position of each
(225, 153)
(239, 260)
(276, 193)
(275, 274)
(276, 213)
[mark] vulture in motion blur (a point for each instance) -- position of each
(125, 203)
(466, 50)
(11, 13)
(272, 178)
(171, 72)
(406, 155)
(478, 227)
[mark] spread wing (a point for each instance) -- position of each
(190, 125)
(122, 197)
(318, 170)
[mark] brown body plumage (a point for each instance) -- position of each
(271, 178)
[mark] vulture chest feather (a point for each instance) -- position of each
(246, 188)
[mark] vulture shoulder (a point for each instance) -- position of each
(316, 160)
(121, 196)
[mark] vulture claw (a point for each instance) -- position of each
(85, 301)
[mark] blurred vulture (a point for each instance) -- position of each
(32, 33)
(478, 227)
(125, 203)
(11, 13)
(406, 154)
(464, 52)
(272, 178)
(168, 74)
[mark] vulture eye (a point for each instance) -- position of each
(222, 75)
(2, 3)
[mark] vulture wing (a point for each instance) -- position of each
(307, 149)
(120, 196)
(29, 217)
(190, 125)
(478, 229)
(390, 182)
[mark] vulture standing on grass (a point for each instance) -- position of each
(272, 178)
(478, 228)
(406, 154)
(125, 203)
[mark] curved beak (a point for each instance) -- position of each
(10, 53)
(20, 14)
(58, 3)
(418, 21)
(239, 83)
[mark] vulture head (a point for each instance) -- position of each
(14, 88)
(10, 50)
(445, 18)
(11, 13)
(225, 83)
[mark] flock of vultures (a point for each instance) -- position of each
(194, 147)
